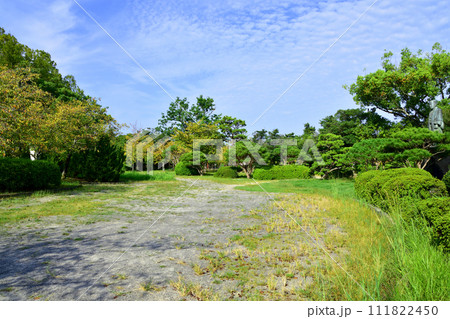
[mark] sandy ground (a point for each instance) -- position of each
(63, 259)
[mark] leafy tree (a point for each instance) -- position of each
(332, 151)
(416, 146)
(244, 154)
(180, 114)
(376, 152)
(405, 90)
(196, 131)
(231, 128)
(355, 125)
(23, 109)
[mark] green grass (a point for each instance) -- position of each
(337, 187)
(144, 176)
(95, 200)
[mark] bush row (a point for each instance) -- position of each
(422, 198)
(18, 174)
(282, 172)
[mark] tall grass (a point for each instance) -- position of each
(399, 263)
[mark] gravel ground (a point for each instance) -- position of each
(61, 258)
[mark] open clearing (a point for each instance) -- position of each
(174, 240)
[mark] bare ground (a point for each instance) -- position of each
(132, 254)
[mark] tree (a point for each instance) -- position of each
(375, 152)
(332, 151)
(355, 125)
(180, 113)
(23, 110)
(416, 146)
(406, 90)
(245, 155)
(231, 128)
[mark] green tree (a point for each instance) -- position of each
(355, 125)
(405, 90)
(231, 128)
(244, 154)
(332, 150)
(180, 113)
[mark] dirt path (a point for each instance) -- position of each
(133, 255)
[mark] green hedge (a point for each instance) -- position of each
(422, 198)
(18, 174)
(381, 187)
(282, 172)
(436, 213)
(226, 172)
(446, 180)
(181, 169)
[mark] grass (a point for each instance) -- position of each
(136, 176)
(336, 187)
(94, 200)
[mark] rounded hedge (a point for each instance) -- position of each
(436, 211)
(18, 174)
(181, 169)
(378, 187)
(282, 172)
(446, 180)
(226, 172)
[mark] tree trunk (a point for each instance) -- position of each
(66, 166)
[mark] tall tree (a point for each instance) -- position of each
(232, 128)
(405, 90)
(180, 113)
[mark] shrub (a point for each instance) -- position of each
(446, 180)
(103, 163)
(188, 160)
(282, 172)
(379, 187)
(23, 174)
(436, 211)
(226, 172)
(181, 169)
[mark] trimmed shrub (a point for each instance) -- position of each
(436, 211)
(18, 174)
(446, 180)
(282, 172)
(188, 160)
(378, 187)
(226, 172)
(181, 169)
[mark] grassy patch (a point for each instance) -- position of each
(336, 187)
(144, 176)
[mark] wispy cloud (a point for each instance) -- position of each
(241, 53)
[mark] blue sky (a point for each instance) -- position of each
(242, 53)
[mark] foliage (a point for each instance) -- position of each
(196, 131)
(282, 172)
(196, 161)
(245, 155)
(181, 169)
(416, 146)
(180, 114)
(231, 128)
(332, 152)
(436, 212)
(381, 187)
(23, 174)
(406, 90)
(446, 180)
(226, 172)
(371, 153)
(354, 125)
(102, 163)
(144, 176)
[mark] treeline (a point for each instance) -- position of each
(47, 116)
